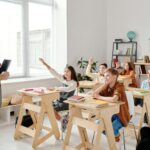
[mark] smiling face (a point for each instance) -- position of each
(110, 78)
(67, 74)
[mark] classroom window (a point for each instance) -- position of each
(27, 33)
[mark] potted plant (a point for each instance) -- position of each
(82, 64)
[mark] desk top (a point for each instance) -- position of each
(91, 103)
(121, 79)
(91, 84)
(139, 93)
(87, 84)
(37, 91)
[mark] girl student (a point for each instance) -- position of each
(69, 85)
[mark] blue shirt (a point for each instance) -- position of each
(145, 85)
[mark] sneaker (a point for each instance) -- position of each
(117, 138)
(64, 122)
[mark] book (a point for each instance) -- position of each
(5, 65)
(100, 103)
(76, 98)
(142, 69)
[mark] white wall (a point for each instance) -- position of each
(126, 15)
(86, 30)
(11, 86)
(86, 37)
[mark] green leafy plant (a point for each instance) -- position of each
(82, 64)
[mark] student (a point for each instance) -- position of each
(144, 143)
(129, 72)
(99, 77)
(69, 81)
(118, 67)
(114, 91)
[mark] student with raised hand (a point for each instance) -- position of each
(130, 73)
(69, 81)
(113, 91)
(99, 77)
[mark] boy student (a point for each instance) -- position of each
(98, 77)
(114, 91)
(70, 83)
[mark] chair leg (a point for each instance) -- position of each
(93, 137)
(124, 143)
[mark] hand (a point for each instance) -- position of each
(4, 75)
(96, 96)
(44, 63)
(50, 88)
(41, 60)
(91, 61)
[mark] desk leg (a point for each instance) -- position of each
(39, 124)
(109, 129)
(21, 113)
(50, 112)
(82, 131)
(68, 133)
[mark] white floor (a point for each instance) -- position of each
(7, 141)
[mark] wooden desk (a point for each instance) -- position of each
(145, 96)
(87, 84)
(37, 113)
(126, 81)
(104, 114)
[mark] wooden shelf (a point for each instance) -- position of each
(143, 74)
(142, 64)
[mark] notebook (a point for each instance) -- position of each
(76, 98)
(100, 103)
(5, 65)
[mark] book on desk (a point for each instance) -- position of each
(76, 98)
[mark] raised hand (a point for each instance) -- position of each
(41, 60)
(44, 63)
(91, 60)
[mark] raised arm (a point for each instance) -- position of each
(52, 71)
(88, 69)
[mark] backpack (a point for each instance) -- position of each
(26, 121)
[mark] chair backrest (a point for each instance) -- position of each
(130, 100)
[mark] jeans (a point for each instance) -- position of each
(116, 123)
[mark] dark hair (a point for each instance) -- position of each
(104, 64)
(112, 71)
(73, 73)
(130, 68)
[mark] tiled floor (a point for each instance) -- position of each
(7, 141)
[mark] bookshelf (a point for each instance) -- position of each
(123, 52)
(142, 68)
